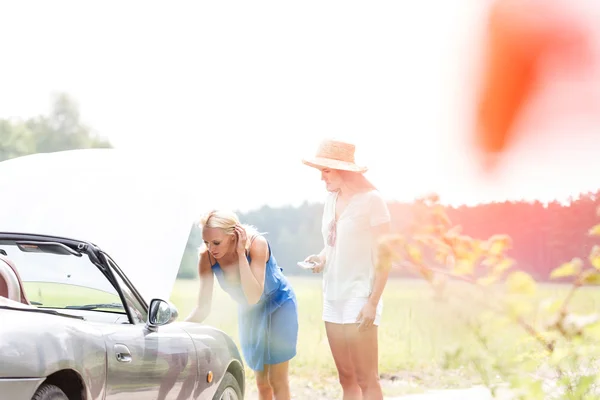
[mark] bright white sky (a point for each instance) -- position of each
(253, 86)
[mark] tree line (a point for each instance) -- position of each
(543, 235)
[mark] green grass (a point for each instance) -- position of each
(414, 333)
(57, 295)
(416, 336)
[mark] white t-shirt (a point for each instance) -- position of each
(349, 269)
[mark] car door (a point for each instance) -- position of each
(159, 364)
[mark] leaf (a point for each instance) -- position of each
(477, 247)
(529, 364)
(520, 282)
(519, 382)
(497, 244)
(595, 230)
(463, 266)
(389, 246)
(535, 390)
(441, 217)
(491, 261)
(570, 268)
(454, 231)
(575, 324)
(502, 266)
(426, 240)
(593, 331)
(595, 257)
(462, 246)
(558, 356)
(517, 308)
(552, 305)
(414, 253)
(496, 248)
(487, 280)
(436, 243)
(584, 383)
(425, 272)
(442, 257)
(590, 277)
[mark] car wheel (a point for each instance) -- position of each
(49, 392)
(229, 389)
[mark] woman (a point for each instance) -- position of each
(354, 217)
(242, 261)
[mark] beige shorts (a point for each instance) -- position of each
(346, 311)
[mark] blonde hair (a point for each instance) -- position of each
(227, 220)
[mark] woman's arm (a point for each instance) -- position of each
(202, 309)
(367, 315)
(381, 274)
(380, 222)
(252, 275)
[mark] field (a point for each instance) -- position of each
(418, 337)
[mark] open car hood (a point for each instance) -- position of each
(138, 208)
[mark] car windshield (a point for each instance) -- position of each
(62, 281)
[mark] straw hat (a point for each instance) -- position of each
(335, 154)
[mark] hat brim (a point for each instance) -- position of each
(322, 163)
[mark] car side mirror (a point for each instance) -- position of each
(160, 313)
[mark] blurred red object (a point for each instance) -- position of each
(520, 35)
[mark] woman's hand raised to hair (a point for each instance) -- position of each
(241, 239)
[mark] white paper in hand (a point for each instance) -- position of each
(307, 264)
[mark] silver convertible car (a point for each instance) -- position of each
(75, 323)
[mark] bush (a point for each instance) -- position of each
(557, 350)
